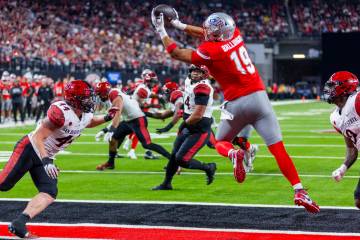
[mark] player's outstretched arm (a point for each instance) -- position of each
(192, 30)
(98, 120)
(169, 44)
(176, 116)
(351, 157)
(160, 115)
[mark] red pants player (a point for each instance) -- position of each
(340, 90)
(35, 152)
(225, 55)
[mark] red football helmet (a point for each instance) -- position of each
(102, 90)
(80, 95)
(169, 87)
(149, 77)
(340, 84)
(203, 72)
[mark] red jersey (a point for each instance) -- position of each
(229, 63)
(5, 90)
(25, 87)
(59, 89)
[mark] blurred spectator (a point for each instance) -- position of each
(45, 96)
(17, 101)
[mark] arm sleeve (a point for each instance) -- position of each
(143, 92)
(202, 93)
(175, 95)
(113, 94)
(56, 116)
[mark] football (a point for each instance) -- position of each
(169, 12)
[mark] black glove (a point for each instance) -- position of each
(165, 129)
(149, 114)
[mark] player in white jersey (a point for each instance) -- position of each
(194, 131)
(134, 121)
(341, 90)
(35, 152)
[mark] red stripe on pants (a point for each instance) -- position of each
(196, 147)
(144, 130)
(15, 156)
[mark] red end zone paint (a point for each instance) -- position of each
(123, 233)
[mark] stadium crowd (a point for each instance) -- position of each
(119, 34)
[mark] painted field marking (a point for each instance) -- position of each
(252, 205)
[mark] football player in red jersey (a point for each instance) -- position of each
(341, 90)
(225, 55)
(36, 151)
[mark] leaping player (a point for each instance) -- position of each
(225, 55)
(36, 151)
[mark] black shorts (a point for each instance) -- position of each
(137, 126)
(24, 159)
(187, 144)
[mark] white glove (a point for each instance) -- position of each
(99, 135)
(50, 168)
(108, 136)
(158, 23)
(177, 23)
(339, 173)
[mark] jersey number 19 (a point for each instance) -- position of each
(245, 59)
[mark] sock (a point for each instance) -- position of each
(194, 164)
(298, 186)
(134, 142)
(243, 143)
(171, 169)
(223, 148)
(112, 156)
(284, 162)
(23, 218)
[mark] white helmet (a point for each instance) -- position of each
(219, 27)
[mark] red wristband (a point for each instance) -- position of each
(171, 48)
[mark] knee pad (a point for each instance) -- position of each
(50, 189)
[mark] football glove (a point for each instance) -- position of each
(50, 168)
(111, 113)
(99, 135)
(158, 23)
(339, 173)
(165, 129)
(177, 23)
(109, 134)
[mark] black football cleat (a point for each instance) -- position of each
(162, 187)
(149, 155)
(210, 173)
(20, 230)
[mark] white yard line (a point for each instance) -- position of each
(170, 143)
(196, 173)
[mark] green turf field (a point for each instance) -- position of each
(315, 153)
